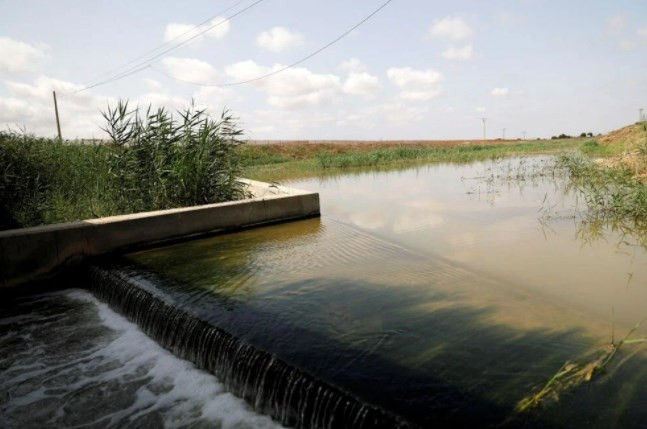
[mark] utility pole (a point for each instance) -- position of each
(58, 122)
(484, 124)
(524, 135)
(641, 117)
(503, 133)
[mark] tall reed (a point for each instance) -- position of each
(154, 160)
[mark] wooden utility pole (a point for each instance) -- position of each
(58, 122)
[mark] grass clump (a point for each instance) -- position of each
(155, 161)
(610, 193)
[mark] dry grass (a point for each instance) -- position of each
(627, 148)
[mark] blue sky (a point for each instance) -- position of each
(417, 70)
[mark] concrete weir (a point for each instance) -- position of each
(28, 254)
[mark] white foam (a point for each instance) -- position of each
(179, 391)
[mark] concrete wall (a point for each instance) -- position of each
(32, 253)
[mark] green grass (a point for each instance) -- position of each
(459, 154)
(610, 193)
(295, 161)
(593, 148)
(155, 161)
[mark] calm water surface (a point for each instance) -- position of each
(446, 211)
(429, 293)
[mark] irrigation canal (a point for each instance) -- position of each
(432, 296)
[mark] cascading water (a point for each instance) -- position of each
(273, 387)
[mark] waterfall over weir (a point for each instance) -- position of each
(270, 385)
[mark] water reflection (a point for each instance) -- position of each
(515, 220)
(426, 297)
(418, 336)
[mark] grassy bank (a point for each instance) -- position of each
(154, 161)
(610, 192)
(292, 160)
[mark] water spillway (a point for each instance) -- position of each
(274, 387)
(68, 360)
(356, 332)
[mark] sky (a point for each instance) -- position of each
(415, 70)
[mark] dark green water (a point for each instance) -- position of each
(428, 294)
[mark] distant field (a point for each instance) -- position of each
(276, 160)
(383, 143)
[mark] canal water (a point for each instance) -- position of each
(443, 294)
(435, 295)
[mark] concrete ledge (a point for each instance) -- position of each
(33, 253)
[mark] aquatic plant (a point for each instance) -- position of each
(573, 374)
(609, 192)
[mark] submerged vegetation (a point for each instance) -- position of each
(154, 161)
(573, 374)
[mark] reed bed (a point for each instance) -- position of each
(155, 160)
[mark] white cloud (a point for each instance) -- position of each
(157, 99)
(450, 28)
(292, 88)
(626, 45)
(30, 104)
(180, 31)
(189, 69)
(417, 85)
(402, 113)
(500, 92)
(279, 39)
(153, 84)
(17, 57)
(642, 33)
(507, 18)
(352, 65)
(465, 53)
(15, 111)
(215, 99)
(616, 24)
(481, 109)
(41, 91)
(284, 124)
(361, 83)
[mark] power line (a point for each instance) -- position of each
(168, 42)
(145, 64)
(326, 46)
